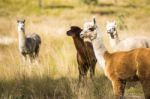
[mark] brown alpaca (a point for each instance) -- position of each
(85, 55)
(120, 67)
(128, 66)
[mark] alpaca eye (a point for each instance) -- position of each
(91, 29)
(113, 28)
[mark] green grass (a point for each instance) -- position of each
(58, 7)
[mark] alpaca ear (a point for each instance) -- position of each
(94, 20)
(17, 21)
(24, 20)
(115, 24)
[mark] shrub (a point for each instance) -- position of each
(120, 22)
(89, 2)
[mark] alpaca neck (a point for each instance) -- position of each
(99, 49)
(115, 40)
(79, 44)
(22, 38)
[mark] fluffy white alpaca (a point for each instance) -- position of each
(125, 44)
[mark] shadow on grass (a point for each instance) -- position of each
(104, 9)
(45, 87)
(113, 5)
(109, 12)
(59, 7)
(106, 4)
(48, 88)
(34, 88)
(130, 6)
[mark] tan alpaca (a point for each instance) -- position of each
(120, 67)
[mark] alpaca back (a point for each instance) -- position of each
(37, 38)
(133, 43)
(33, 42)
(126, 64)
(30, 45)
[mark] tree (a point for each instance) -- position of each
(88, 2)
(40, 3)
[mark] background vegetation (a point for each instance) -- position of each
(56, 75)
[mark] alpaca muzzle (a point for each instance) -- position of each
(82, 34)
(112, 35)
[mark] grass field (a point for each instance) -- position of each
(56, 75)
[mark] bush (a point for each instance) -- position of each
(88, 2)
(120, 22)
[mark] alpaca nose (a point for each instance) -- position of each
(67, 33)
(81, 35)
(22, 28)
(112, 35)
(113, 29)
(108, 31)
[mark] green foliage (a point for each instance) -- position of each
(136, 90)
(120, 22)
(89, 2)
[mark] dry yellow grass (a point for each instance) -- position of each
(56, 75)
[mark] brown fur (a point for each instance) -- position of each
(85, 55)
(128, 66)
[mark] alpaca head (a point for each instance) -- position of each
(89, 30)
(74, 31)
(111, 29)
(21, 25)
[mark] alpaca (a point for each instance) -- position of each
(121, 66)
(28, 45)
(85, 55)
(125, 44)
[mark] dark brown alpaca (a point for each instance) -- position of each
(85, 54)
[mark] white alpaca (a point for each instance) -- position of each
(125, 44)
(90, 30)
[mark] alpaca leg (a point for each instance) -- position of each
(119, 88)
(31, 56)
(36, 55)
(82, 74)
(92, 71)
(82, 69)
(36, 59)
(24, 57)
(37, 51)
(146, 87)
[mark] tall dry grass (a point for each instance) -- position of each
(55, 76)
